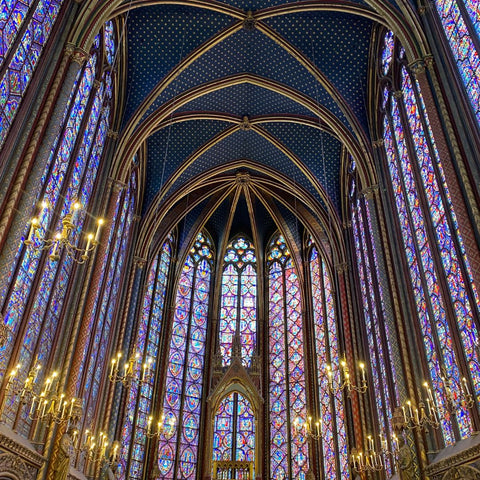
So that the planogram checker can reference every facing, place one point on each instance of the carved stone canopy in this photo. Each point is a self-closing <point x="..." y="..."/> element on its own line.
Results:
<point x="459" y="461"/>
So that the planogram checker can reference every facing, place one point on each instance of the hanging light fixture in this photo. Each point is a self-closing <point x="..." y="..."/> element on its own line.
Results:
<point x="63" y="239"/>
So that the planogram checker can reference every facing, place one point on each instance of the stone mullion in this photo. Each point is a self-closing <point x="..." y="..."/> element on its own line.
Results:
<point x="468" y="226"/>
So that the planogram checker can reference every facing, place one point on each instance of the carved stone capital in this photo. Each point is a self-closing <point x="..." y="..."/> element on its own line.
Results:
<point x="341" y="267"/>
<point x="112" y="134"/>
<point x="139" y="262"/>
<point x="417" y="67"/>
<point x="398" y="94"/>
<point x="96" y="85"/>
<point x="77" y="55"/>
<point x="369" y="192"/>
<point x="429" y="61"/>
<point x="116" y="185"/>
<point x="378" y="143"/>
<point x="137" y="218"/>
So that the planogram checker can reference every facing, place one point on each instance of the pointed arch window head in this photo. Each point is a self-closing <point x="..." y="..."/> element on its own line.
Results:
<point x="238" y="312"/>
<point x="287" y="395"/>
<point x="387" y="53"/>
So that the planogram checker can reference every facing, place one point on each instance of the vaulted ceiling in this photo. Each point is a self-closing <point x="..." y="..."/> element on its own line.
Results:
<point x="275" y="89"/>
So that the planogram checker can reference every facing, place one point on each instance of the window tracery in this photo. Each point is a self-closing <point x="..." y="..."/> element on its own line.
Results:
<point x="238" y="304"/>
<point x="332" y="409"/>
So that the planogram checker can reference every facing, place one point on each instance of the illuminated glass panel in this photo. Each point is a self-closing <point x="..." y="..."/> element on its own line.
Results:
<point x="84" y="132"/>
<point x="437" y="338"/>
<point x="332" y="427"/>
<point x="387" y="53"/>
<point x="380" y="352"/>
<point x="288" y="445"/>
<point x="443" y="233"/>
<point x="23" y="60"/>
<point x="234" y="430"/>
<point x="139" y="404"/>
<point x="460" y="31"/>
<point x="184" y="378"/>
<point x="238" y="304"/>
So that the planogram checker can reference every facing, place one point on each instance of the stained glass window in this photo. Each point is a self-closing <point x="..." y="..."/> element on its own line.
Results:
<point x="35" y="276"/>
<point x="332" y="410"/>
<point x="376" y="326"/>
<point x="25" y="27"/>
<point x="234" y="430"/>
<point x="178" y="444"/>
<point x="287" y="397"/>
<point x="140" y="395"/>
<point x="238" y="304"/>
<point x="423" y="206"/>
<point x="460" y="20"/>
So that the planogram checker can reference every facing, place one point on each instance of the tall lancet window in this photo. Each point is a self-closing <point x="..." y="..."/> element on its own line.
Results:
<point x="25" y="27"/>
<point x="178" y="445"/>
<point x="147" y="343"/>
<point x="378" y="334"/>
<point x="445" y="298"/>
<point x="287" y="396"/>
<point x="332" y="409"/>
<point x="34" y="298"/>
<point x="460" y="20"/>
<point x="239" y="300"/>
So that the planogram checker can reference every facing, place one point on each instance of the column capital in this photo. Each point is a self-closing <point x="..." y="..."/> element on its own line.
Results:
<point x="139" y="262"/>
<point x="76" y="54"/>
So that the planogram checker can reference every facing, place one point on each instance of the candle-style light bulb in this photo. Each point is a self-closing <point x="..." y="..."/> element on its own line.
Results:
<point x="99" y="228"/>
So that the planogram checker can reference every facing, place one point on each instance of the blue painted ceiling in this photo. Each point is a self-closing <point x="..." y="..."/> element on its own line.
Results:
<point x="275" y="75"/>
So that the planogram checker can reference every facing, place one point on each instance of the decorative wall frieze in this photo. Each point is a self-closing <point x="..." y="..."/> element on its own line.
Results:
<point x="18" y="448"/>
<point x="16" y="467"/>
<point x="461" y="464"/>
